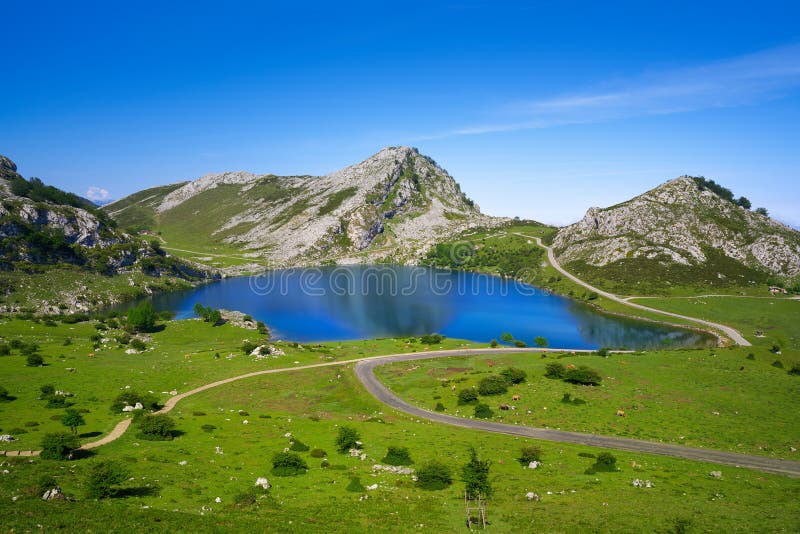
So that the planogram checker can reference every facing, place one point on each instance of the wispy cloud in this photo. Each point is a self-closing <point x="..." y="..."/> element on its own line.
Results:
<point x="97" y="194"/>
<point x="738" y="81"/>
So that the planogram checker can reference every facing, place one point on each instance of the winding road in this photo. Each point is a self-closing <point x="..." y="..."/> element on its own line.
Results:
<point x="732" y="333"/>
<point x="364" y="368"/>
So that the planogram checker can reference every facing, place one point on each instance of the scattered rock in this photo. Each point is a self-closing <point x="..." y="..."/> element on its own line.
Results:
<point x="531" y="496"/>
<point x="53" y="494"/>
<point x="716" y="474"/>
<point x="263" y="482"/>
<point x="534" y="464"/>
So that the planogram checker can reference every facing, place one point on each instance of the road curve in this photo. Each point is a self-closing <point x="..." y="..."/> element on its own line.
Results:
<point x="732" y="333"/>
<point x="364" y="370"/>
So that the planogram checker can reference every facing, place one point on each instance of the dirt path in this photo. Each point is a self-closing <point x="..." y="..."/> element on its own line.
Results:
<point x="732" y="333"/>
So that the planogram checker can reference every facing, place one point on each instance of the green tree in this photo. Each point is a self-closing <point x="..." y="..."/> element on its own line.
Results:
<point x="540" y="341"/>
<point x="347" y="439"/>
<point x="583" y="375"/>
<point x="744" y="202"/>
<point x="483" y="411"/>
<point x="514" y="375"/>
<point x="59" y="445"/>
<point x="492" y="385"/>
<point x="554" y="370"/>
<point x="762" y="211"/>
<point x="467" y="396"/>
<point x="72" y="419"/>
<point x="475" y="475"/>
<point x="102" y="477"/>
<point x="397" y="456"/>
<point x="285" y="464"/>
<point x="529" y="453"/>
<point x="156" y="427"/>
<point x="141" y="318"/>
<point x="34" y="360"/>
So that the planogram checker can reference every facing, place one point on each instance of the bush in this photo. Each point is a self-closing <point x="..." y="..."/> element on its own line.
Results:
<point x="5" y="349"/>
<point x="467" y="396"/>
<point x="47" y="390"/>
<point x="4" y="396"/>
<point x="483" y="411"/>
<point x="26" y="349"/>
<point x="514" y="375"/>
<point x="493" y="343"/>
<point x="439" y="407"/>
<point x="529" y="453"/>
<point x="347" y="438"/>
<point x="434" y="475"/>
<point x="34" y="360"/>
<point x="248" y="347"/>
<point x="540" y="341"/>
<point x="554" y="370"/>
<point x="138" y="344"/>
<point x="124" y="338"/>
<point x="775" y="349"/>
<point x="287" y="464"/>
<point x="603" y="351"/>
<point x="72" y="419"/>
<point x="606" y="462"/>
<point x="156" y="427"/>
<point x="208" y="428"/>
<point x="475" y="475"/>
<point x="102" y="477"/>
<point x="751" y="356"/>
<point x="778" y="364"/>
<point x="431" y="339"/>
<point x="492" y="385"/>
<point x="59" y="445"/>
<point x="583" y="375"/>
<point x="141" y="318"/>
<point x="298" y="446"/>
<point x="318" y="453"/>
<point x="397" y="456"/>
<point x="520" y="344"/>
<point x="795" y="370"/>
<point x="356" y="486"/>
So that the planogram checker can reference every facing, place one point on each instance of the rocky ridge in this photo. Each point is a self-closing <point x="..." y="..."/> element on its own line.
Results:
<point x="681" y="224"/>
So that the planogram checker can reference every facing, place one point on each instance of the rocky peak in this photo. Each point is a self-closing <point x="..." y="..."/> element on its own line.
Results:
<point x="7" y="164"/>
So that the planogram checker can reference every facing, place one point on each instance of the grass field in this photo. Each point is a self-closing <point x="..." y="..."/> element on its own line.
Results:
<point x="180" y="357"/>
<point x="175" y="485"/>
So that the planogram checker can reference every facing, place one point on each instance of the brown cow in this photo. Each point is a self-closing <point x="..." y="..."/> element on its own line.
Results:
<point x="505" y="407"/>
<point x="621" y="413"/>
<point x="515" y="397"/>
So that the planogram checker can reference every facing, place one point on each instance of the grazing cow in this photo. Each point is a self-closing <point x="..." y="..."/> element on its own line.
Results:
<point x="505" y="407"/>
<point x="515" y="397"/>
<point x="621" y="413"/>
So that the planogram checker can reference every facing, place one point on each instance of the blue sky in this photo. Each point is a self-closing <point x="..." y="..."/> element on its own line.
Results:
<point x="539" y="109"/>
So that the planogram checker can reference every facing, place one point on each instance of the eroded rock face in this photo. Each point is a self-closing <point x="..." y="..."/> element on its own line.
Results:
<point x="677" y="222"/>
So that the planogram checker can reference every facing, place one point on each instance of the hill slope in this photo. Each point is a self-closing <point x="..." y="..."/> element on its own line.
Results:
<point x="393" y="206"/>
<point x="679" y="233"/>
<point x="58" y="252"/>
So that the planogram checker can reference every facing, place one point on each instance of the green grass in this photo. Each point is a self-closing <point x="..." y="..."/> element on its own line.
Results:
<point x="312" y="405"/>
<point x="777" y="318"/>
<point x="180" y="357"/>
<point x="731" y="403"/>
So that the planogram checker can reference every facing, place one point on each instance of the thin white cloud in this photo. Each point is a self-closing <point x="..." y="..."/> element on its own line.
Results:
<point x="738" y="81"/>
<point x="97" y="194"/>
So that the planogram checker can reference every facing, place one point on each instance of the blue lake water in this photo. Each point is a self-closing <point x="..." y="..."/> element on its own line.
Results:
<point x="359" y="302"/>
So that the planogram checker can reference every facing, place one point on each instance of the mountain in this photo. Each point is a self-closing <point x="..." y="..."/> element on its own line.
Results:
<point x="45" y="231"/>
<point x="391" y="207"/>
<point x="688" y="231"/>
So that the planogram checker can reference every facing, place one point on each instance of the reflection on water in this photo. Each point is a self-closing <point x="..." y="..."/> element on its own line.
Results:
<point x="359" y="302"/>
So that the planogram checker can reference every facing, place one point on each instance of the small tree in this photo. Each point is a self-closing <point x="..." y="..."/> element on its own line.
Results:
<point x="514" y="375"/>
<point x="248" y="347"/>
<point x="347" y="439"/>
<point x="102" y="478"/>
<point x="397" y="456"/>
<point x="4" y="396"/>
<point x="287" y="464"/>
<point x="529" y="453"/>
<point x="467" y="396"/>
<point x="434" y="475"/>
<point x="156" y="427"/>
<point x="492" y="385"/>
<point x="507" y="337"/>
<point x="583" y="375"/>
<point x="762" y="211"/>
<point x="59" y="445"/>
<point x="540" y="341"/>
<point x="475" y="475"/>
<point x="72" y="419"/>
<point x="493" y="344"/>
<point x="141" y="318"/>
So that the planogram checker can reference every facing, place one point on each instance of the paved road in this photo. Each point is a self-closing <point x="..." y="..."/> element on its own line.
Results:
<point x="732" y="333"/>
<point x="364" y="371"/>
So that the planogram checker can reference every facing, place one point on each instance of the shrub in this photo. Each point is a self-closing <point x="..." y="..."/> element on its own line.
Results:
<point x="434" y="475"/>
<point x="102" y="478"/>
<point x="397" y="456"/>
<point x="554" y="370"/>
<point x="583" y="375"/>
<point x="138" y="344"/>
<point x="47" y="390"/>
<point x="141" y="318"/>
<point x="603" y="351"/>
<point x="775" y="349"/>
<point x="514" y="375"/>
<point x="493" y="343"/>
<point x="492" y="385"/>
<point x="26" y="349"/>
<point x="606" y="461"/>
<point x="483" y="411"/>
<point x="298" y="446"/>
<point x="208" y="428"/>
<point x="467" y="396"/>
<point x="156" y="427"/>
<point x="439" y="407"/>
<point x="198" y="413"/>
<point x="5" y="349"/>
<point x="751" y="356"/>
<point x="34" y="360"/>
<point x="356" y="486"/>
<point x="778" y="364"/>
<point x="248" y="347"/>
<point x="72" y="419"/>
<point x="346" y="439"/>
<point x="540" y="341"/>
<point x="130" y="398"/>
<point x="67" y="342"/>
<point x="529" y="453"/>
<point x="520" y="344"/>
<point x="4" y="396"/>
<point x="287" y="464"/>
<point x="59" y="445"/>
<point x="318" y="453"/>
<point x="431" y="339"/>
<point x="795" y="370"/>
